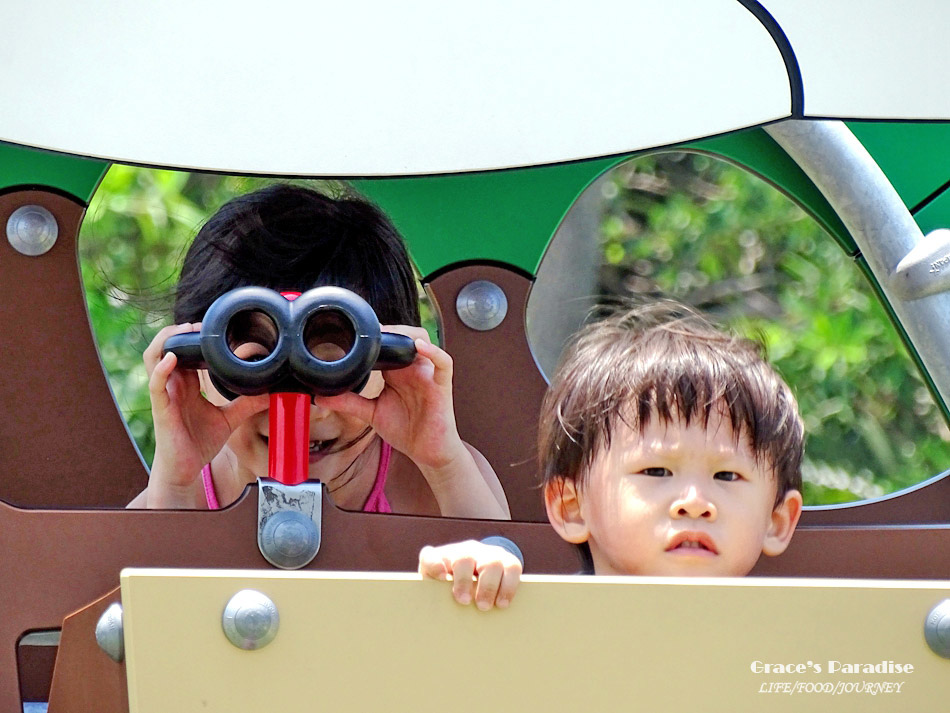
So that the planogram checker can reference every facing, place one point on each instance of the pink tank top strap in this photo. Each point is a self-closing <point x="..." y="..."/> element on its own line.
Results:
<point x="208" y="482"/>
<point x="377" y="502"/>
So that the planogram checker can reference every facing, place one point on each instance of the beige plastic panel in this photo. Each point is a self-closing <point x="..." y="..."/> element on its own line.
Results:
<point x="870" y="58"/>
<point x="365" y="642"/>
<point x="368" y="87"/>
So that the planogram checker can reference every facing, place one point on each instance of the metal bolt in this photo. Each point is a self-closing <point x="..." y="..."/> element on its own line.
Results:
<point x="289" y="539"/>
<point x="32" y="230"/>
<point x="937" y="629"/>
<point x="481" y="305"/>
<point x="250" y="620"/>
<point x="109" y="634"/>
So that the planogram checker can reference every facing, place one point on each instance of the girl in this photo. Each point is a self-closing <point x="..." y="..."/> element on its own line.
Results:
<point x="394" y="447"/>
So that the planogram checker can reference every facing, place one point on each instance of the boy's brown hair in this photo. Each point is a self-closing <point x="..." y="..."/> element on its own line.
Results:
<point x="665" y="361"/>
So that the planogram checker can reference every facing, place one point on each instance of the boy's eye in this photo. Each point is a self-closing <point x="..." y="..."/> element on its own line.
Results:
<point x="656" y="472"/>
<point x="727" y="475"/>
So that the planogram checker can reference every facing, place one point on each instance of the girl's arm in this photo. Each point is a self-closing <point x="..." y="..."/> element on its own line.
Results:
<point x="467" y="487"/>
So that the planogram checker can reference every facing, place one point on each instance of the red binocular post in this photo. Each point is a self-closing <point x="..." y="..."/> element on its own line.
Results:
<point x="288" y="444"/>
<point x="289" y="438"/>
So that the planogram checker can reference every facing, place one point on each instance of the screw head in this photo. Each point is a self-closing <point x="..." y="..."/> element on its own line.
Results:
<point x="481" y="305"/>
<point x="937" y="629"/>
<point x="32" y="230"/>
<point x="289" y="539"/>
<point x="250" y="620"/>
<point x="109" y="633"/>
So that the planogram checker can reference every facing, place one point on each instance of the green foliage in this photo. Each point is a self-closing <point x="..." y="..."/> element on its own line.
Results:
<point x="699" y="230"/>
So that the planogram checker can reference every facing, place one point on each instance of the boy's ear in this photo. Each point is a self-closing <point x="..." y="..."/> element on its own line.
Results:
<point x="562" y="498"/>
<point x="784" y="519"/>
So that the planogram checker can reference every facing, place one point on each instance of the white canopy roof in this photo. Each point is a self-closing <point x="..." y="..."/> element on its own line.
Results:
<point x="426" y="86"/>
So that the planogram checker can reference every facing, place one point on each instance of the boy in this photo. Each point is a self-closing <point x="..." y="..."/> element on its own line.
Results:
<point x="666" y="447"/>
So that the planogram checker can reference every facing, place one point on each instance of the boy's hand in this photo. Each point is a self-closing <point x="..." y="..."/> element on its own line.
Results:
<point x="488" y="573"/>
<point x="189" y="430"/>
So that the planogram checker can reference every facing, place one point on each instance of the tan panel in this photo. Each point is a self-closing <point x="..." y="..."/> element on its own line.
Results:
<point x="376" y="641"/>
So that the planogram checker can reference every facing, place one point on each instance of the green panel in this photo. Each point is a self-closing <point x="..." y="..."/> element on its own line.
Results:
<point x="510" y="216"/>
<point x="935" y="214"/>
<point x="74" y="175"/>
<point x="507" y="216"/>
<point x="755" y="151"/>
<point x="914" y="156"/>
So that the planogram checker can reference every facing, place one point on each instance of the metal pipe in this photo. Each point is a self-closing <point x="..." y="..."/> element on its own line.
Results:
<point x="885" y="232"/>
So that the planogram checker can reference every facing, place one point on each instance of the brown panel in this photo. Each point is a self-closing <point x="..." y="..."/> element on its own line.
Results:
<point x="898" y="552"/>
<point x="498" y="388"/>
<point x="34" y="664"/>
<point x="85" y="678"/>
<point x="62" y="440"/>
<point x="54" y="562"/>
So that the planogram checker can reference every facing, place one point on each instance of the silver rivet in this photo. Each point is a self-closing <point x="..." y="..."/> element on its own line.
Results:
<point x="109" y="633"/>
<point x="481" y="305"/>
<point x="32" y="230"/>
<point x="250" y="620"/>
<point x="937" y="629"/>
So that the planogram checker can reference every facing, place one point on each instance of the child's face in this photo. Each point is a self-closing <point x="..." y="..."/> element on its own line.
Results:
<point x="676" y="500"/>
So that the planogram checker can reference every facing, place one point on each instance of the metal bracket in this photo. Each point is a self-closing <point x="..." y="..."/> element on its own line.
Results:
<point x="925" y="270"/>
<point x="288" y="522"/>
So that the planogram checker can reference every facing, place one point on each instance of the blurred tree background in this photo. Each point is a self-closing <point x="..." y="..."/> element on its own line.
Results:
<point x="699" y="230"/>
<point x="674" y="224"/>
<point x="131" y="244"/>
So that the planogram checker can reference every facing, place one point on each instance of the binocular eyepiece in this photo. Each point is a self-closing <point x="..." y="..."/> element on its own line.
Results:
<point x="325" y="341"/>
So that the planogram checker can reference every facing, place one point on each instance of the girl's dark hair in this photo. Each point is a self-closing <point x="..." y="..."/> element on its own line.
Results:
<point x="665" y="361"/>
<point x="288" y="237"/>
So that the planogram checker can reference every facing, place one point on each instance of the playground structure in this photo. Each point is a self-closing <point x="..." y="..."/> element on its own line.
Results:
<point x="441" y="165"/>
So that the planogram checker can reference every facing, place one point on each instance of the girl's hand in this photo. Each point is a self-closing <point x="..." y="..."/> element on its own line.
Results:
<point x="189" y="429"/>
<point x="414" y="411"/>
<point x="415" y="414"/>
<point x="489" y="572"/>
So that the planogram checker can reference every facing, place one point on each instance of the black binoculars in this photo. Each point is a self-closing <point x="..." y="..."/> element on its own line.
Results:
<point x="325" y="341"/>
